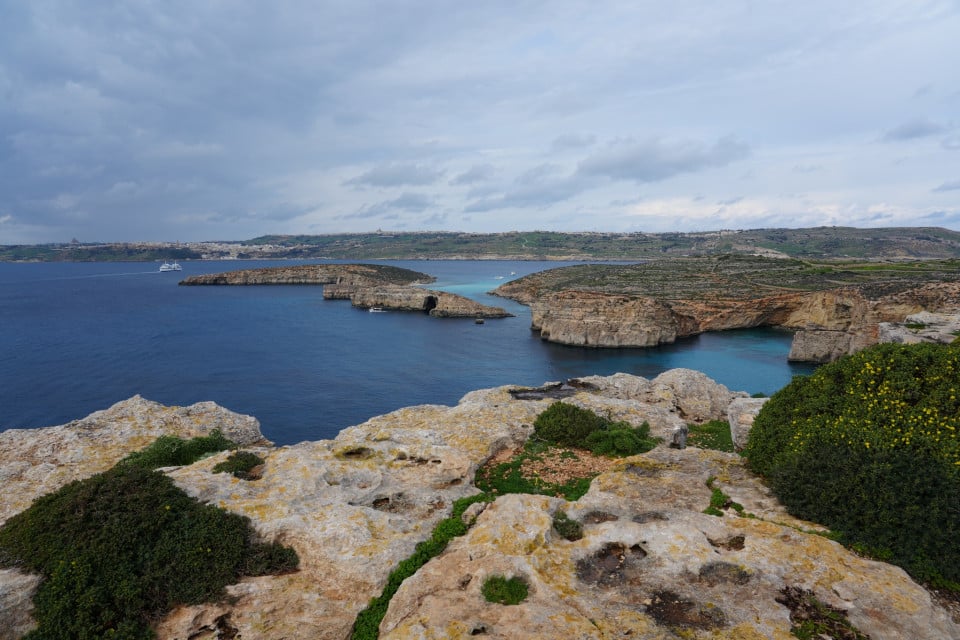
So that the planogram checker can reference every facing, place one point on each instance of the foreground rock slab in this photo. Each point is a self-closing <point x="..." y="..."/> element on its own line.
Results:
<point x="651" y="564"/>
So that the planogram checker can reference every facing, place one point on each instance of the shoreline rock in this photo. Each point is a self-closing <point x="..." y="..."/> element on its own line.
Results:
<point x="355" y="506"/>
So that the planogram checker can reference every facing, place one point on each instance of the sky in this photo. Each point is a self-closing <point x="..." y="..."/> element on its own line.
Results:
<point x="191" y="120"/>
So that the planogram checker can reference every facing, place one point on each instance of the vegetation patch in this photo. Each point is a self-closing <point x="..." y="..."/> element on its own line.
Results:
<point x="720" y="502"/>
<point x="568" y="528"/>
<point x="503" y="590"/>
<point x="171" y="451"/>
<point x="120" y="549"/>
<point x="541" y="469"/>
<point x="242" y="464"/>
<point x="714" y="434"/>
<point x="568" y="425"/>
<point x="813" y="619"/>
<point x="367" y="624"/>
<point x="870" y="446"/>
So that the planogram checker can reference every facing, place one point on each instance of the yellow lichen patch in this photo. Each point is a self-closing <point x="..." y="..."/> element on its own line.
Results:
<point x="629" y="623"/>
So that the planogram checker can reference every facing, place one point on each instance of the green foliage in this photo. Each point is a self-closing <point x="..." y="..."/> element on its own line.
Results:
<point x="567" y="425"/>
<point x="367" y="624"/>
<point x="719" y="501"/>
<point x="508" y="477"/>
<point x="568" y="528"/>
<point x="125" y="546"/>
<point x="171" y="451"/>
<point x="870" y="446"/>
<point x="620" y="440"/>
<point x="711" y="435"/>
<point x="503" y="590"/>
<point x="239" y="463"/>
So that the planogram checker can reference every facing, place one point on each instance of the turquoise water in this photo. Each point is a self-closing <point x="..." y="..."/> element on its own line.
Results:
<point x="76" y="338"/>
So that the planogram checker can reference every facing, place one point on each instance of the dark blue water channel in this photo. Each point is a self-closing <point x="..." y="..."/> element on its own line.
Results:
<point x="76" y="338"/>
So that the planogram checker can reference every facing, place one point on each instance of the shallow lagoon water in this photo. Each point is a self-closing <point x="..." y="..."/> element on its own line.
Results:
<point x="78" y="337"/>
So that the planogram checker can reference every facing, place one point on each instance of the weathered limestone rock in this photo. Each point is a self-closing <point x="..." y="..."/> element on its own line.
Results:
<point x="319" y="274"/>
<point x="650" y="562"/>
<point x="684" y="393"/>
<point x="651" y="566"/>
<point x="740" y="415"/>
<point x="34" y="462"/>
<point x="942" y="328"/>
<point x="16" y="606"/>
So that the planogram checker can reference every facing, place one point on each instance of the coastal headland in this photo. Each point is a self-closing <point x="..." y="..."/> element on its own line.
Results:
<point x="652" y="562"/>
<point x="368" y="286"/>
<point x="835" y="308"/>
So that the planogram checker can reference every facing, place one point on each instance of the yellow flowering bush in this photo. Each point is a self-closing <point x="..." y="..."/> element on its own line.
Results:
<point x="870" y="446"/>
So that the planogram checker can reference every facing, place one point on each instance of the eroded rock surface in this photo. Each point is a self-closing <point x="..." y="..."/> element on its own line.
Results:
<point x="650" y="564"/>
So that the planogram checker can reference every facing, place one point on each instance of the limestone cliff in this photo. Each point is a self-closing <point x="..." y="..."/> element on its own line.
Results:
<point x="651" y="564"/>
<point x="399" y="298"/>
<point x="834" y="311"/>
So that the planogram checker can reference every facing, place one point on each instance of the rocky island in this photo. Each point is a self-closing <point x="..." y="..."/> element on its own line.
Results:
<point x="650" y="562"/>
<point x="366" y="286"/>
<point x="835" y="308"/>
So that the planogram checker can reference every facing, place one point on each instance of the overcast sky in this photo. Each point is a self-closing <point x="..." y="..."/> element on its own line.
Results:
<point x="223" y="120"/>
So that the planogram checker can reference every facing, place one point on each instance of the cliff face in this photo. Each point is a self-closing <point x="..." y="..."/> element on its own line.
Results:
<point x="626" y="307"/>
<point x="651" y="564"/>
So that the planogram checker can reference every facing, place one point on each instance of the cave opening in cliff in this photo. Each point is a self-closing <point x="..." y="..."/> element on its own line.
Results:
<point x="430" y="302"/>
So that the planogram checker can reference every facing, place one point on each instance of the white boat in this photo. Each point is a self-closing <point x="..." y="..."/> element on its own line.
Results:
<point x="498" y="277"/>
<point x="376" y="310"/>
<point x="513" y="273"/>
<point x="171" y="266"/>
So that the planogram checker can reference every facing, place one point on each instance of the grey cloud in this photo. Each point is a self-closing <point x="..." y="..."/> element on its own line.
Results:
<point x="951" y="143"/>
<point x="476" y="173"/>
<point x="730" y="201"/>
<point x="951" y="185"/>
<point x="397" y="174"/>
<point x="539" y="187"/>
<point x="913" y="129"/>
<point x="807" y="168"/>
<point x="409" y="202"/>
<point x="437" y="219"/>
<point x="573" y="141"/>
<point x="656" y="159"/>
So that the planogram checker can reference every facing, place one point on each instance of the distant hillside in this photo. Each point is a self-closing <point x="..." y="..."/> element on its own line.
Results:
<point x="820" y="243"/>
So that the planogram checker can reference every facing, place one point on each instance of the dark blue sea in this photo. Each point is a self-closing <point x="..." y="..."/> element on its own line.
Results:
<point x="78" y="337"/>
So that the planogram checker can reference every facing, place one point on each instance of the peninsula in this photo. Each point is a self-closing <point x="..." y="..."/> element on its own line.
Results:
<point x="368" y="286"/>
<point x="836" y="308"/>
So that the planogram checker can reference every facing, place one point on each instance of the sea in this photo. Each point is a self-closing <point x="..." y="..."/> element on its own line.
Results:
<point x="78" y="337"/>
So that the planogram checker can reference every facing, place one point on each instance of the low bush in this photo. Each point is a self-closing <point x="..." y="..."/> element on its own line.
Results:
<point x="503" y="590"/>
<point x="870" y="446"/>
<point x="511" y="477"/>
<point x="120" y="549"/>
<point x="240" y="464"/>
<point x="567" y="425"/>
<point x="171" y="451"/>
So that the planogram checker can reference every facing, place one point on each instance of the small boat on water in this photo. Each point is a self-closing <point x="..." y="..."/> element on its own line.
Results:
<point x="377" y="310"/>
<point x="170" y="266"/>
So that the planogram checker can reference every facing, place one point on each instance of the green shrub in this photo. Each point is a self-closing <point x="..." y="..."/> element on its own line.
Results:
<point x="125" y="546"/>
<point x="568" y="528"/>
<point x="239" y="463"/>
<point x="870" y="446"/>
<point x="567" y="425"/>
<point x="503" y="590"/>
<point x="171" y="451"/>
<point x="508" y="477"/>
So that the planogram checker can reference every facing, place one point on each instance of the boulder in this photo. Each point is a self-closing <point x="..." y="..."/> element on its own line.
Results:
<point x="740" y="415"/>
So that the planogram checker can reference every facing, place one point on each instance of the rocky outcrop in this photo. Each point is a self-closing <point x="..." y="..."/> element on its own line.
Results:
<point x="349" y="274"/>
<point x="941" y="328"/>
<point x="740" y="416"/>
<point x="439" y="304"/>
<point x="365" y="285"/>
<point x="650" y="564"/>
